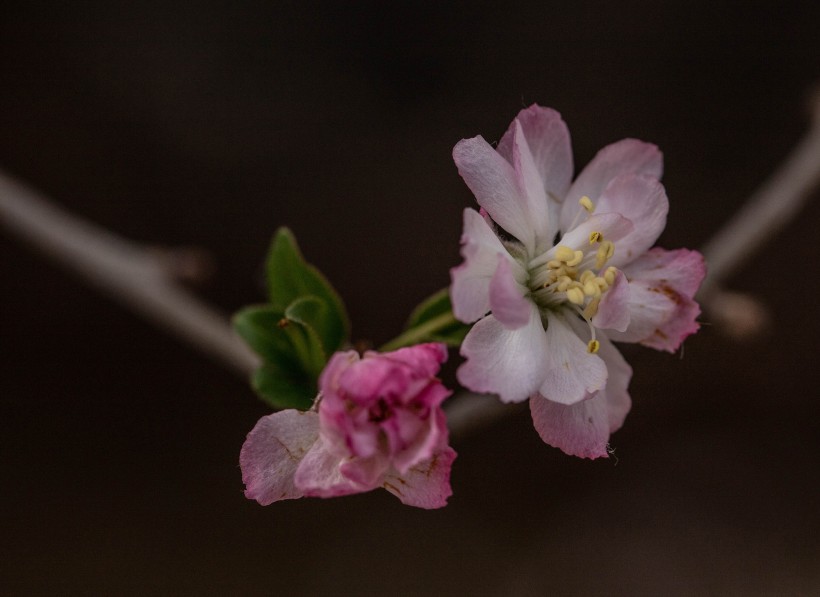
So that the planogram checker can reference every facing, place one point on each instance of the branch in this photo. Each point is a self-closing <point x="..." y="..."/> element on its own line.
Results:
<point x="766" y="212"/>
<point x="141" y="279"/>
<point x="137" y="276"/>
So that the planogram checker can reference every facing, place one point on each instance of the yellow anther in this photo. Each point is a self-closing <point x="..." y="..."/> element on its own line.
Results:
<point x="563" y="283"/>
<point x="602" y="284"/>
<point x="593" y="346"/>
<point x="592" y="289"/>
<point x="575" y="295"/>
<point x="577" y="258"/>
<point x="587" y="204"/>
<point x="609" y="274"/>
<point x="595" y="237"/>
<point x="592" y="308"/>
<point x="554" y="264"/>
<point x="586" y="276"/>
<point x="604" y="254"/>
<point x="563" y="253"/>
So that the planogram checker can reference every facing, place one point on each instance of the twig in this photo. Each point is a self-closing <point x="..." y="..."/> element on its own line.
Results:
<point x="763" y="215"/>
<point x="135" y="275"/>
<point x="141" y="279"/>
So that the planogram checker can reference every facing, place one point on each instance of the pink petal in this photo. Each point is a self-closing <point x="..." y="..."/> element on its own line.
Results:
<point x="496" y="187"/>
<point x="424" y="360"/>
<point x="662" y="311"/>
<point x="583" y="429"/>
<point x="507" y="299"/>
<point x="548" y="140"/>
<point x="628" y="156"/>
<point x="612" y="226"/>
<point x="683" y="269"/>
<point x="641" y="199"/>
<point x="572" y="372"/>
<point x="613" y="311"/>
<point x="506" y="362"/>
<point x="414" y="441"/>
<point x="319" y="475"/>
<point x="532" y="183"/>
<point x="470" y="290"/>
<point x="272" y="452"/>
<point x="426" y="485"/>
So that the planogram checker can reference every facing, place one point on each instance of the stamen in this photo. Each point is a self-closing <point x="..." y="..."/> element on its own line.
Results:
<point x="563" y="253"/>
<point x="604" y="254"/>
<point x="577" y="258"/>
<point x="592" y="309"/>
<point x="609" y="274"/>
<point x="593" y="346"/>
<point x="575" y="295"/>
<point x="595" y="237"/>
<point x="587" y="204"/>
<point x="592" y="289"/>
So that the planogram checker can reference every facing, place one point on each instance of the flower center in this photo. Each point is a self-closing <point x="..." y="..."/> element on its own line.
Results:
<point x="575" y="278"/>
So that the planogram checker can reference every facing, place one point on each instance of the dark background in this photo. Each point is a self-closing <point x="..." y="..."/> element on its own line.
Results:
<point x="210" y="124"/>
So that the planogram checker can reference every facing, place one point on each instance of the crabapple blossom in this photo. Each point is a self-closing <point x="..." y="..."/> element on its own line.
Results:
<point x="377" y="422"/>
<point x="553" y="269"/>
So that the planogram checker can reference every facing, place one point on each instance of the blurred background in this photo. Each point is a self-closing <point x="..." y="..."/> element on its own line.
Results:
<point x="210" y="124"/>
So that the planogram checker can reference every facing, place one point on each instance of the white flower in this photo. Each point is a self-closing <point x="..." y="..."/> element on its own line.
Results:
<point x="556" y="262"/>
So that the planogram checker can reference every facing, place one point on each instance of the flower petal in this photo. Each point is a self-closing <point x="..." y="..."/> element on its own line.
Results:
<point x="496" y="187"/>
<point x="537" y="178"/>
<point x="611" y="226"/>
<point x="470" y="290"/>
<point x="413" y="440"/>
<point x="628" y="156"/>
<point x="426" y="485"/>
<point x="320" y="475"/>
<point x="613" y="311"/>
<point x="572" y="372"/>
<point x="506" y="362"/>
<point x="641" y="199"/>
<point x="507" y="300"/>
<point x="272" y="452"/>
<point x="583" y="429"/>
<point x="548" y="141"/>
<point x="662" y="311"/>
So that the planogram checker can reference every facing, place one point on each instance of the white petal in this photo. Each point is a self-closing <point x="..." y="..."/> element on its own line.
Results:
<point x="628" y="156"/>
<point x="470" y="290"/>
<point x="506" y="362"/>
<point x="572" y="371"/>
<point x="507" y="299"/>
<point x="495" y="185"/>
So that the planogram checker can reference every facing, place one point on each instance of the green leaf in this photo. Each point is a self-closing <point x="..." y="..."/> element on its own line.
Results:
<point x="431" y="321"/>
<point x="291" y="278"/>
<point x="280" y="389"/>
<point x="260" y="327"/>
<point x="436" y="314"/>
<point x="290" y="342"/>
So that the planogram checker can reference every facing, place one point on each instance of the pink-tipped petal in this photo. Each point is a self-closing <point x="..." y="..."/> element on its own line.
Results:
<point x="495" y="185"/>
<point x="628" y="156"/>
<point x="507" y="300"/>
<point x="548" y="140"/>
<point x="583" y="429"/>
<point x="506" y="362"/>
<point x="427" y="484"/>
<point x="572" y="372"/>
<point x="320" y="475"/>
<point x="613" y="311"/>
<point x="531" y="181"/>
<point x="273" y="451"/>
<point x="641" y="199"/>
<point x="662" y="310"/>
<point x="612" y="226"/>
<point x="470" y="290"/>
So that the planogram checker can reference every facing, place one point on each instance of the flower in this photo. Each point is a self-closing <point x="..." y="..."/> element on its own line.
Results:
<point x="379" y="423"/>
<point x="555" y="263"/>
